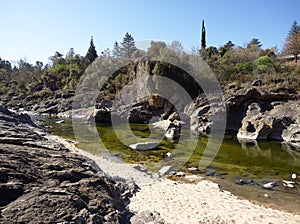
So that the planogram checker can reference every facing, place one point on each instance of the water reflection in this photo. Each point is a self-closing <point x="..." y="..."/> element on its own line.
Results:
<point x="271" y="150"/>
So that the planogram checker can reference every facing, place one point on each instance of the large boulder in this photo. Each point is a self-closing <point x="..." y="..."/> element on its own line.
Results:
<point x="281" y="122"/>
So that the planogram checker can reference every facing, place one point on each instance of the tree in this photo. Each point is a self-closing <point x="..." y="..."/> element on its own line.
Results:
<point x="91" y="54"/>
<point x="295" y="28"/>
<point x="254" y="44"/>
<point x="177" y="47"/>
<point x="71" y="53"/>
<point x="203" y="41"/>
<point x="116" y="50"/>
<point x="128" y="46"/>
<point x="155" y="48"/>
<point x="203" y="36"/>
<point x="292" y="42"/>
<point x="227" y="47"/>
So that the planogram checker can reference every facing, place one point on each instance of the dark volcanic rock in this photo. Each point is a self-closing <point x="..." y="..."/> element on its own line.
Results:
<point x="42" y="182"/>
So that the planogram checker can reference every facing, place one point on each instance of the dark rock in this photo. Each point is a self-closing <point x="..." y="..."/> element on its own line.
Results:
<point x="42" y="182"/>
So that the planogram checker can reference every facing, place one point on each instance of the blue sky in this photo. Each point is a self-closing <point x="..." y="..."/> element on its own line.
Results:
<point x="35" y="29"/>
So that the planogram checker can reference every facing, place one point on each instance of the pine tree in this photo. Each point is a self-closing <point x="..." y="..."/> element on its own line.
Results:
<point x="91" y="55"/>
<point x="128" y="46"/>
<point x="295" y="28"/>
<point x="116" y="50"/>
<point x="292" y="42"/>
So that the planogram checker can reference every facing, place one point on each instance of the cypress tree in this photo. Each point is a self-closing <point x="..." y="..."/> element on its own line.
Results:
<point x="203" y="36"/>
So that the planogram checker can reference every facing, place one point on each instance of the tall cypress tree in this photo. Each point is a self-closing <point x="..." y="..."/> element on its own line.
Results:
<point x="91" y="54"/>
<point x="203" y="41"/>
<point x="203" y="36"/>
<point x="128" y="46"/>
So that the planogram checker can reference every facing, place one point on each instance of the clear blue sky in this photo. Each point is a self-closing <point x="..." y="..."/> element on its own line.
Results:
<point x="35" y="29"/>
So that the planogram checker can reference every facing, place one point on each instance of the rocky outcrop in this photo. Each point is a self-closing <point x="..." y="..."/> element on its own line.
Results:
<point x="280" y="122"/>
<point x="42" y="182"/>
<point x="43" y="101"/>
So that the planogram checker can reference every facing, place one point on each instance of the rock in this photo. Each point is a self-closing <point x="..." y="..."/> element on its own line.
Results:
<point x="258" y="82"/>
<point x="288" y="184"/>
<point x="252" y="126"/>
<point x="269" y="185"/>
<point x="144" y="145"/>
<point x="173" y="131"/>
<point x="39" y="177"/>
<point x="169" y="154"/>
<point x="166" y="170"/>
<point x="192" y="169"/>
<point x="60" y="122"/>
<point x="146" y="217"/>
<point x="293" y="176"/>
<point x="180" y="174"/>
<point x="266" y="196"/>
<point x="292" y="134"/>
<point x="280" y="121"/>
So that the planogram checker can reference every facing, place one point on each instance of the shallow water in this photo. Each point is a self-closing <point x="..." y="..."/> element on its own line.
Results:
<point x="241" y="168"/>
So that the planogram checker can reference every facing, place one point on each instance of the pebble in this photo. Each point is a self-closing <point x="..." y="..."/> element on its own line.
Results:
<point x="266" y="196"/>
<point x="269" y="185"/>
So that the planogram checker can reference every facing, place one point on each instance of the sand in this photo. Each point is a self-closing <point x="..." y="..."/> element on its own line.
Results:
<point x="186" y="203"/>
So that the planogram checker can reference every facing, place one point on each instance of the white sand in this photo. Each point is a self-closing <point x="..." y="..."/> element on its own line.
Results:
<point x="184" y="203"/>
<point x="203" y="203"/>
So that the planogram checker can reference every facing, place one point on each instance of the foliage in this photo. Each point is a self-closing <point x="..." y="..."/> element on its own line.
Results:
<point x="128" y="46"/>
<point x="91" y="54"/>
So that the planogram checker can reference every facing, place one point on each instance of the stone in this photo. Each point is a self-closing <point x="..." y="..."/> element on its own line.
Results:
<point x="173" y="131"/>
<point x="166" y="170"/>
<point x="269" y="185"/>
<point x="60" y="122"/>
<point x="144" y="145"/>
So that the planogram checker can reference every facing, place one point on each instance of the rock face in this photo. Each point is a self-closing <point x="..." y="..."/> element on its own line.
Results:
<point x="42" y="182"/>
<point x="281" y="122"/>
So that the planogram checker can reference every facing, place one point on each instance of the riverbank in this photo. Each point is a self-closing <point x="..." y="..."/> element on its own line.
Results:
<point x="160" y="200"/>
<point x="64" y="183"/>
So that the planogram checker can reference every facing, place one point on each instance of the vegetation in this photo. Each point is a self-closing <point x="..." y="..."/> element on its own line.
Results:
<point x="230" y="63"/>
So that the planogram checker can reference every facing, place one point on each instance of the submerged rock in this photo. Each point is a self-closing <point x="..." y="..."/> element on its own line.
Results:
<point x="144" y="145"/>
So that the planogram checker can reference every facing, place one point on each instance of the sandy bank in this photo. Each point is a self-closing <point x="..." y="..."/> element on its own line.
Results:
<point x="175" y="202"/>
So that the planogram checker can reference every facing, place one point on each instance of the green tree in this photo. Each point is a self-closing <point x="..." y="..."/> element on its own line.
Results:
<point x="91" y="54"/>
<point x="128" y="46"/>
<point x="254" y="44"/>
<point x="203" y="52"/>
<point x="227" y="47"/>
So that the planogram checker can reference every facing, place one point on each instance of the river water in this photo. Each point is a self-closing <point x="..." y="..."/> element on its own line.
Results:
<point x="241" y="168"/>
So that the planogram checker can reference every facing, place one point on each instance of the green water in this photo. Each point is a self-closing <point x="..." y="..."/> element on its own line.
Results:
<point x="260" y="162"/>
